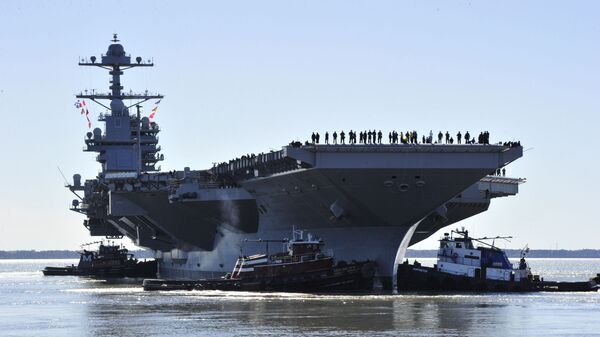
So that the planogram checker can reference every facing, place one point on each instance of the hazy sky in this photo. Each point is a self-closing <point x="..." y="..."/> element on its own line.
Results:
<point x="248" y="76"/>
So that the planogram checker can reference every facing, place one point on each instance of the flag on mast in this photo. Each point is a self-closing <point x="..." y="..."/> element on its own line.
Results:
<point x="154" y="111"/>
<point x="84" y="110"/>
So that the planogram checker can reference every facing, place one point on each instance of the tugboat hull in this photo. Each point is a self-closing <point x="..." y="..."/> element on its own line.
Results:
<point x="356" y="276"/>
<point x="419" y="278"/>
<point x="138" y="270"/>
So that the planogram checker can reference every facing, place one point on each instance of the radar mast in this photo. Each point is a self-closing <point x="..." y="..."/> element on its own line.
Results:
<point x="129" y="143"/>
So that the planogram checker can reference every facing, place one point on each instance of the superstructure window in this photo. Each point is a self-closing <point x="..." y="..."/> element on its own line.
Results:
<point x="117" y="123"/>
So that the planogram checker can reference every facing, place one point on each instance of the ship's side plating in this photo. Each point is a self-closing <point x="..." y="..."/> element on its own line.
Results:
<point x="366" y="202"/>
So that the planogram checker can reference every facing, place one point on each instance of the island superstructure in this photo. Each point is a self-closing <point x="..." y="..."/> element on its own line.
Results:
<point x="367" y="201"/>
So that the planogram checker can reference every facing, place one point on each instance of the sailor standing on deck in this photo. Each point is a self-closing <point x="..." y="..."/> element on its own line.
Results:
<point x="326" y="137"/>
<point x="334" y="137"/>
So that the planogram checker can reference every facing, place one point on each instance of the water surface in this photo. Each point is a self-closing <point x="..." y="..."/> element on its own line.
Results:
<point x="34" y="305"/>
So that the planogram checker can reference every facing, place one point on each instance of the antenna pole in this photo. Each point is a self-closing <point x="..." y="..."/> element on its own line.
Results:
<point x="61" y="173"/>
<point x="139" y="141"/>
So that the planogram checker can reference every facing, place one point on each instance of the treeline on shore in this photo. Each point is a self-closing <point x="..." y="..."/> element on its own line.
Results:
<point x="516" y="253"/>
<point x="59" y="254"/>
<point x="411" y="253"/>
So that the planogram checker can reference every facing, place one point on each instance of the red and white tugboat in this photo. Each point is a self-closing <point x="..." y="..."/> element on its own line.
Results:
<point x="303" y="266"/>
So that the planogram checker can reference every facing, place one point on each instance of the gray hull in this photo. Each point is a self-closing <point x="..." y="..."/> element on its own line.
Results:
<point x="357" y="215"/>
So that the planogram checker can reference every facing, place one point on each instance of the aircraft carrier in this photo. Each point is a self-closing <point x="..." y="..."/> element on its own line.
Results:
<point x="365" y="201"/>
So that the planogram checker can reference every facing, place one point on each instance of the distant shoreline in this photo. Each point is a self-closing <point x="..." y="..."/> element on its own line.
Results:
<point x="410" y="254"/>
<point x="516" y="253"/>
<point x="58" y="254"/>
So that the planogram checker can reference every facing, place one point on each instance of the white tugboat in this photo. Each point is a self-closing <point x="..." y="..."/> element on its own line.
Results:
<point x="463" y="267"/>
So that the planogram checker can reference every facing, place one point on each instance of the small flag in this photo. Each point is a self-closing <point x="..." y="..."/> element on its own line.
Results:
<point x="79" y="104"/>
<point x="154" y="111"/>
<point x="84" y="110"/>
<point x="87" y="116"/>
<point x="158" y="101"/>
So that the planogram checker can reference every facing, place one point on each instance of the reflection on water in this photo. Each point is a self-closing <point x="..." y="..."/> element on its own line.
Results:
<point x="31" y="304"/>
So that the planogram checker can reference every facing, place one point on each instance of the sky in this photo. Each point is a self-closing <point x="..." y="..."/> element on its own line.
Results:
<point x="248" y="76"/>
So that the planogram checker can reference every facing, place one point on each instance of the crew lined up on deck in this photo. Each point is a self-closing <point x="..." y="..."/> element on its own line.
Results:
<point x="409" y="137"/>
<point x="500" y="172"/>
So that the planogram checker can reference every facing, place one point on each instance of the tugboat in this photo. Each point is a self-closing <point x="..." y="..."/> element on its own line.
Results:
<point x="463" y="267"/>
<point x="303" y="266"/>
<point x="110" y="261"/>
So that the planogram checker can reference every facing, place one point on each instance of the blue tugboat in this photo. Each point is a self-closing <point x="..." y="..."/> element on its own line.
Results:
<point x="463" y="267"/>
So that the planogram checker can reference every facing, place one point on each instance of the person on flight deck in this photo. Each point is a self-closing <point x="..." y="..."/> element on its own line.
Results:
<point x="326" y="137"/>
<point x="313" y="138"/>
<point x="467" y="137"/>
<point x="458" y="137"/>
<point x="379" y="136"/>
<point x="447" y="137"/>
<point x="504" y="171"/>
<point x="390" y="137"/>
<point x="342" y="137"/>
<point x="334" y="137"/>
<point x="440" y="136"/>
<point x="317" y="136"/>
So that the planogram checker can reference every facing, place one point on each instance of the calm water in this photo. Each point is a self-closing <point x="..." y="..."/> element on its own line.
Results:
<point x="34" y="305"/>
